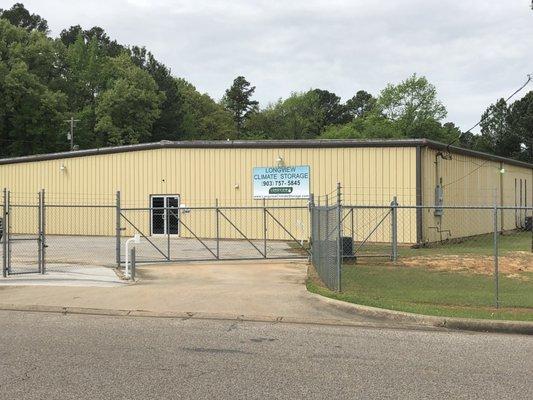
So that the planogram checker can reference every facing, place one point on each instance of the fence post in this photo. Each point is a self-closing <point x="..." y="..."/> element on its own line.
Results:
<point x="339" y="237"/>
<point x="39" y="232"/>
<point x="7" y="232"/>
<point x="42" y="237"/>
<point x="316" y="244"/>
<point x="44" y="231"/>
<point x="4" y="235"/>
<point x="118" y="228"/>
<point x="166" y="210"/>
<point x="264" y="229"/>
<point x="394" y="229"/>
<point x="217" y="224"/>
<point x="496" y="256"/>
<point x="312" y="219"/>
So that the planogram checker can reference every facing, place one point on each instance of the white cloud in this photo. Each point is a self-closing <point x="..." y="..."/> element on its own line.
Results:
<point x="474" y="51"/>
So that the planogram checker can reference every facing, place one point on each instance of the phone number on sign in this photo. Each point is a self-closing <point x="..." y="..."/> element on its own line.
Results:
<point x="280" y="183"/>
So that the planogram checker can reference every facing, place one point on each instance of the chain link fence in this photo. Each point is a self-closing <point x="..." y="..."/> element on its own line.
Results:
<point x="326" y="244"/>
<point x="462" y="255"/>
<point x="456" y="256"/>
<point x="49" y="232"/>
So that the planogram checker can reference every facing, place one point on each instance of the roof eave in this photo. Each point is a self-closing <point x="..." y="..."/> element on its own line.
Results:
<point x="258" y="144"/>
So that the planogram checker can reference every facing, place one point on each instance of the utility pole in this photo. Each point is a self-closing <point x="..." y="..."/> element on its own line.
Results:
<point x="70" y="135"/>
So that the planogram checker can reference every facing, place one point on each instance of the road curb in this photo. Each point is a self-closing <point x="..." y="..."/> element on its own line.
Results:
<point x="466" y="324"/>
<point x="202" y="316"/>
<point x="411" y="321"/>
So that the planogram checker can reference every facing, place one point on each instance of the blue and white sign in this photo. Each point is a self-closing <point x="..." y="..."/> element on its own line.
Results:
<point x="281" y="182"/>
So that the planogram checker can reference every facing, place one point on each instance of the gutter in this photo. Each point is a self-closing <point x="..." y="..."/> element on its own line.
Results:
<point x="262" y="144"/>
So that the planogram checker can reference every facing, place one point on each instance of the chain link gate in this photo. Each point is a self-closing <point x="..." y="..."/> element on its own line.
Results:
<point x="217" y="232"/>
<point x="23" y="235"/>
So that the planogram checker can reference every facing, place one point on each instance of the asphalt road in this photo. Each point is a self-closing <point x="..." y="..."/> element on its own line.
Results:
<point x="53" y="356"/>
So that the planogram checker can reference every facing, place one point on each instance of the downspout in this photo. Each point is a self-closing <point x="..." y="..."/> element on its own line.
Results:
<point x="419" y="213"/>
<point x="438" y="210"/>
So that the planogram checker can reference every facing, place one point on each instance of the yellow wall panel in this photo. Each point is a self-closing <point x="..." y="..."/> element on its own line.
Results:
<point x="202" y="175"/>
<point x="470" y="181"/>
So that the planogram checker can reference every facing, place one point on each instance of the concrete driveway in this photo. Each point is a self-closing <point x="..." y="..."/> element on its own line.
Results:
<point x="259" y="288"/>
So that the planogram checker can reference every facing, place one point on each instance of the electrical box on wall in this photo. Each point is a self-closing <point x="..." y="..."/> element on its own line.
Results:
<point x="439" y="201"/>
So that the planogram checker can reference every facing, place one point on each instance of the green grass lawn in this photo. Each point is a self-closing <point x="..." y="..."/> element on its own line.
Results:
<point x="508" y="242"/>
<point x="418" y="290"/>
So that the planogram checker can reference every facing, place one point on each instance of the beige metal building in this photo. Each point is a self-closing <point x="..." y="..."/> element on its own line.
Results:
<point x="193" y="174"/>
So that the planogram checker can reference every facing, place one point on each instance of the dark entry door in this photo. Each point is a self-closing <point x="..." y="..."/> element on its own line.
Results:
<point x="165" y="220"/>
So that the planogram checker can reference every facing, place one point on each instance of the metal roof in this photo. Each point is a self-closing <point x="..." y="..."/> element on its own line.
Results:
<point x="265" y="144"/>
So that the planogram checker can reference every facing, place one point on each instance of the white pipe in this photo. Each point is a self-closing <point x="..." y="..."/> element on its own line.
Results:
<point x="135" y="239"/>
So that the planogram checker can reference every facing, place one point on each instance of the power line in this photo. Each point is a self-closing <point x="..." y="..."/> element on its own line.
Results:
<point x="466" y="175"/>
<point x="529" y="77"/>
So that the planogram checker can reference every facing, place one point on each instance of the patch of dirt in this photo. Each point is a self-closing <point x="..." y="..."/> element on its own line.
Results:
<point x="512" y="265"/>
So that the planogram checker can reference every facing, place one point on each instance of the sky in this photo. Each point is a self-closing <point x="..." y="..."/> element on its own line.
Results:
<point x="473" y="51"/>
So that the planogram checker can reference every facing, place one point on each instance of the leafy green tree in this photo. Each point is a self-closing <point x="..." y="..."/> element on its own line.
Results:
<point x="203" y="118"/>
<point x="496" y="134"/>
<point x="110" y="47"/>
<point x="360" y="104"/>
<point x="521" y="125"/>
<point x="128" y="108"/>
<point x="450" y="132"/>
<point x="412" y="104"/>
<point x="238" y="100"/>
<point x="18" y="15"/>
<point x="371" y="126"/>
<point x="69" y="36"/>
<point x="301" y="116"/>
<point x="31" y="110"/>
<point x="334" y="112"/>
<point x="106" y="45"/>
<point x="86" y="66"/>
<point x="169" y="125"/>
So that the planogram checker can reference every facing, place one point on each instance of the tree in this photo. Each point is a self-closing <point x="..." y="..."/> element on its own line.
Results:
<point x="69" y="36"/>
<point x="370" y="126"/>
<point x="521" y="125"/>
<point x="496" y="135"/>
<point x="109" y="47"/>
<point x="238" y="100"/>
<point x="128" y="108"/>
<point x="301" y="116"/>
<point x="411" y="103"/>
<point x="86" y="67"/>
<point x="19" y="16"/>
<point x="169" y="125"/>
<point x="203" y="118"/>
<point x="360" y="104"/>
<point x="334" y="112"/>
<point x="31" y="109"/>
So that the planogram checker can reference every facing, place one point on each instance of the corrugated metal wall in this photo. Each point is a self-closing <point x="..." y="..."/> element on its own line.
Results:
<point x="472" y="181"/>
<point x="201" y="175"/>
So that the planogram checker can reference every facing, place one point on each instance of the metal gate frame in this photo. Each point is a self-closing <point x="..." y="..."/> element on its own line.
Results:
<point x="7" y="239"/>
<point x="221" y="215"/>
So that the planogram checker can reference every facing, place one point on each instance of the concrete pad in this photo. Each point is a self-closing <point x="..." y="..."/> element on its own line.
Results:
<point x="71" y="252"/>
<point x="84" y="277"/>
<point x="262" y="288"/>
